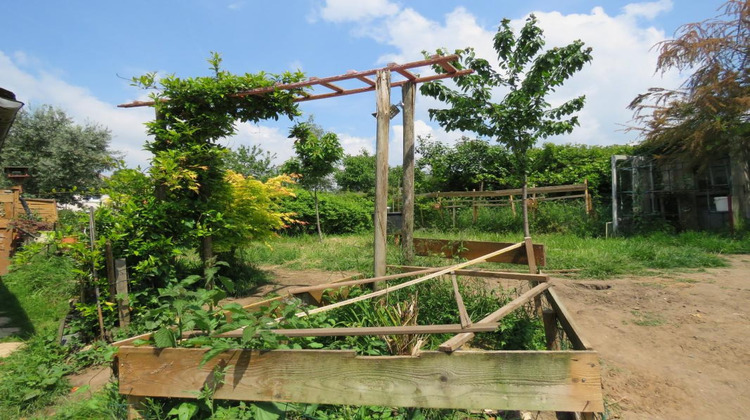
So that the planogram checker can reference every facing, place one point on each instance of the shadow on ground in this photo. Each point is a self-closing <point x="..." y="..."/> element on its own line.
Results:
<point x="14" y="322"/>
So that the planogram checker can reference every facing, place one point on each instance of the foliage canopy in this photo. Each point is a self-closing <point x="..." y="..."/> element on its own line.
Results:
<point x="709" y="115"/>
<point x="61" y="155"/>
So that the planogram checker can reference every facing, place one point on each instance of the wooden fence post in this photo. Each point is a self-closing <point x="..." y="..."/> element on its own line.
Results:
<point x="121" y="284"/>
<point x="550" y="329"/>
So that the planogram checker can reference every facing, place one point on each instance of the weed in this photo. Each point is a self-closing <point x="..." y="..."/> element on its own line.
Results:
<point x="647" y="319"/>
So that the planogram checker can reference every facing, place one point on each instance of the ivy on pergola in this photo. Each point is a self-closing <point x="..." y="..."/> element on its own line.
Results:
<point x="299" y="92"/>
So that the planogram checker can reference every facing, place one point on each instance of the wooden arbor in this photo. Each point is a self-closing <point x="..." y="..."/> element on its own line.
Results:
<point x="382" y="86"/>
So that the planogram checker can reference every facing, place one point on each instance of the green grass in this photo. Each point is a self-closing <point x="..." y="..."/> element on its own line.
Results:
<point x="35" y="295"/>
<point x="647" y="255"/>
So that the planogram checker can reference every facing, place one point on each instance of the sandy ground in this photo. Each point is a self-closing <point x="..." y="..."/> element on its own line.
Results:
<point x="673" y="347"/>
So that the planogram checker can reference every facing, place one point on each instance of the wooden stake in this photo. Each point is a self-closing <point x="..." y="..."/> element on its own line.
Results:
<point x="550" y="329"/>
<point x="533" y="270"/>
<point x="512" y="206"/>
<point x="123" y="300"/>
<point x="110" y="260"/>
<point x="94" y="276"/>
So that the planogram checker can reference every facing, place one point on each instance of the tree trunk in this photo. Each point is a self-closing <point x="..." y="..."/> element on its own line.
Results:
<point x="525" y="197"/>
<point x="317" y="215"/>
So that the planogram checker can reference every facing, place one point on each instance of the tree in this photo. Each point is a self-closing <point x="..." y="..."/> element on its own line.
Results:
<point x="61" y="155"/>
<point x="708" y="115"/>
<point x="358" y="173"/>
<point x="316" y="158"/>
<point x="529" y="75"/>
<point x="251" y="161"/>
<point x="187" y="167"/>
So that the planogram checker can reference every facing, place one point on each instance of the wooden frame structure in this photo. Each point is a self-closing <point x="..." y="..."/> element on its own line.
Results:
<point x="381" y="85"/>
<point x="554" y="380"/>
<point x="505" y="198"/>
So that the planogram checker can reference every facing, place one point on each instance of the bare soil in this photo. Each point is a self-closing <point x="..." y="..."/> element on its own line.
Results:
<point x="672" y="347"/>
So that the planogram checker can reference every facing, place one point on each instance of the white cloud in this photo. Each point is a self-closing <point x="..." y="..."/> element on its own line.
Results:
<point x="358" y="10"/>
<point x="623" y="64"/>
<point x="647" y="10"/>
<point x="36" y="86"/>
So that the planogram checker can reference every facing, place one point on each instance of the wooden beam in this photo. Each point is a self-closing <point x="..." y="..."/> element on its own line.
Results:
<point x="448" y="67"/>
<point x="383" y="115"/>
<point x="409" y="283"/>
<point x="406" y="73"/>
<point x="505" y="275"/>
<point x="462" y="314"/>
<point x="358" y="331"/>
<point x="367" y="80"/>
<point x="408" y="97"/>
<point x="504" y="380"/>
<point x="459" y="340"/>
<point x="572" y="330"/>
<point x="362" y="281"/>
<point x="473" y="249"/>
<point x="508" y="192"/>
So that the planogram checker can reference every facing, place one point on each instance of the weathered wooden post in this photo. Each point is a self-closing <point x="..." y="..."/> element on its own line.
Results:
<point x="383" y="111"/>
<point x="408" y="93"/>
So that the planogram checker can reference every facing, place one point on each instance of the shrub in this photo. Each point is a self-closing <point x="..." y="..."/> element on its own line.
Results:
<point x="339" y="213"/>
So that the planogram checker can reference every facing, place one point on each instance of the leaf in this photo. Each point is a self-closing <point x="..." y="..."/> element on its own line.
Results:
<point x="165" y="337"/>
<point x="184" y="411"/>
<point x="214" y="351"/>
<point x="248" y="333"/>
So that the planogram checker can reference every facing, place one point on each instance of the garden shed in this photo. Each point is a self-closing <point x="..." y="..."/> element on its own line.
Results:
<point x="652" y="189"/>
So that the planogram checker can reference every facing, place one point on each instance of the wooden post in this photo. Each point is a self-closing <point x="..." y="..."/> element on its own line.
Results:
<point x="408" y="93"/>
<point x="474" y="209"/>
<point x="121" y="284"/>
<point x="135" y="405"/>
<point x="453" y="212"/>
<point x="383" y="108"/>
<point x="587" y="198"/>
<point x="550" y="329"/>
<point x="512" y="206"/>
<point x="533" y="270"/>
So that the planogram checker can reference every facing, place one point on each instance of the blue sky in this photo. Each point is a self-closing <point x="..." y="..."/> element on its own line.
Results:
<point x="78" y="55"/>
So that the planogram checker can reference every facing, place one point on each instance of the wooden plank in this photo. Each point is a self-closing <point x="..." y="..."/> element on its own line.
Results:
<point x="473" y="249"/>
<point x="459" y="340"/>
<point x="448" y="67"/>
<point x="482" y="273"/>
<point x="336" y="285"/>
<point x="409" y="283"/>
<point x="505" y="380"/>
<point x="550" y="329"/>
<point x="566" y="321"/>
<point x="359" y="331"/>
<point x="462" y="314"/>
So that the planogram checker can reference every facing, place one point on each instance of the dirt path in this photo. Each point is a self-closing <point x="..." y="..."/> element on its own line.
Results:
<point x="675" y="347"/>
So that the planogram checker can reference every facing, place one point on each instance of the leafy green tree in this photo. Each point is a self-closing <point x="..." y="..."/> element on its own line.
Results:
<point x="251" y="161"/>
<point x="357" y="173"/>
<point x="709" y="115"/>
<point x="316" y="158"/>
<point x="529" y="74"/>
<point x="61" y="154"/>
<point x="187" y="167"/>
